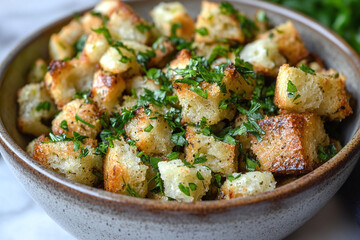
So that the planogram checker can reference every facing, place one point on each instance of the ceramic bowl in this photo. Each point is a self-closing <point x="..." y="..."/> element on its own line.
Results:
<point x="90" y="213"/>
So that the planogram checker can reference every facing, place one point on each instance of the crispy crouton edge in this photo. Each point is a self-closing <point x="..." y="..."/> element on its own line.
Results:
<point x="17" y="157"/>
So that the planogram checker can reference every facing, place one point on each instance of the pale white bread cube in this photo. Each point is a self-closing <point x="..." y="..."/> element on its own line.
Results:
<point x="264" y="55"/>
<point x="124" y="171"/>
<point x="155" y="141"/>
<point x="65" y="78"/>
<point x="174" y="173"/>
<point x="85" y="112"/>
<point x="107" y="7"/>
<point x="288" y="41"/>
<point x="221" y="157"/>
<point x="61" y="158"/>
<point x="37" y="71"/>
<point x="248" y="184"/>
<point x="90" y="22"/>
<point x="107" y="89"/>
<point x="290" y="143"/>
<point x="219" y="26"/>
<point x="30" y="98"/>
<point x="111" y="60"/>
<point x="124" y="24"/>
<point x="95" y="47"/>
<point x="165" y="15"/>
<point x="61" y="44"/>
<point x="323" y="94"/>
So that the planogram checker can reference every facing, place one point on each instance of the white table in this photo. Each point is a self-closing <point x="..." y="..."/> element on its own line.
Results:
<point x="21" y="218"/>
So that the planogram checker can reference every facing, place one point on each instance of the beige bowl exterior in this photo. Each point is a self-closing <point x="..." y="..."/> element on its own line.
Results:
<point x="90" y="213"/>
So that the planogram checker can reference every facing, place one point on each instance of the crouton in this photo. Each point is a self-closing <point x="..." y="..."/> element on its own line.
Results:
<point x="165" y="15"/>
<point x="221" y="157"/>
<point x="124" y="172"/>
<point x="37" y="71"/>
<point x="31" y="146"/>
<point x="124" y="24"/>
<point x="121" y="60"/>
<point x="65" y="78"/>
<point x="35" y="106"/>
<point x="218" y="25"/>
<point x="323" y="94"/>
<point x="264" y="55"/>
<point x="90" y="22"/>
<point x="247" y="184"/>
<point x="139" y="84"/>
<point x="75" y="165"/>
<point x="107" y="7"/>
<point x="151" y="132"/>
<point x="106" y="90"/>
<point x="290" y="143"/>
<point x="61" y="44"/>
<point x="180" y="62"/>
<point x="244" y="140"/>
<point x="95" y="47"/>
<point x="80" y="117"/>
<point x="182" y="183"/>
<point x="288" y="41"/>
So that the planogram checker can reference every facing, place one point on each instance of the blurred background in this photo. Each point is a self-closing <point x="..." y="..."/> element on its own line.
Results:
<point x="21" y="218"/>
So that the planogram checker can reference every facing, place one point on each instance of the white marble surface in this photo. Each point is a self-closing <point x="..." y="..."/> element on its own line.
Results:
<point x="21" y="218"/>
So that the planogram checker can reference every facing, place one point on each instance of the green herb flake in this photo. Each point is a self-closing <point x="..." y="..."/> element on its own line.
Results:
<point x="231" y="177"/>
<point x="325" y="153"/>
<point x="202" y="31"/>
<point x="184" y="189"/>
<point x="217" y="179"/>
<point x="192" y="186"/>
<point x="199" y="92"/>
<point x="306" y="69"/>
<point x="64" y="125"/>
<point x="46" y="105"/>
<point x="174" y="28"/>
<point x="173" y="155"/>
<point x="251" y="164"/>
<point x="143" y="28"/>
<point x="148" y="128"/>
<point x="292" y="90"/>
<point x="83" y="95"/>
<point x="199" y="159"/>
<point x="199" y="176"/>
<point x="230" y="140"/>
<point x="77" y="118"/>
<point x="261" y="16"/>
<point x="131" y="191"/>
<point x="84" y="153"/>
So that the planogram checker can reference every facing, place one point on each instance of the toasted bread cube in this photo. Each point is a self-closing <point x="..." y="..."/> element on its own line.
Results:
<point x="180" y="62"/>
<point x="151" y="132"/>
<point x="112" y="61"/>
<point x="90" y="22"/>
<point x="95" y="47"/>
<point x="75" y="113"/>
<point x="107" y="7"/>
<point x="244" y="140"/>
<point x="288" y="41"/>
<point x="221" y="157"/>
<point x="123" y="25"/>
<point x="37" y="71"/>
<point x="139" y="84"/>
<point x="290" y="143"/>
<point x="61" y="44"/>
<point x="124" y="171"/>
<point x="264" y="55"/>
<point x="323" y="94"/>
<point x="219" y="26"/>
<point x="61" y="158"/>
<point x="165" y="15"/>
<point x="174" y="173"/>
<point x="65" y="78"/>
<point x="248" y="184"/>
<point x="107" y="89"/>
<point x="31" y="97"/>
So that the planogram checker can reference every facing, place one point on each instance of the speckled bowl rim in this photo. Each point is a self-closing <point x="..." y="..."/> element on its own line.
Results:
<point x="102" y="197"/>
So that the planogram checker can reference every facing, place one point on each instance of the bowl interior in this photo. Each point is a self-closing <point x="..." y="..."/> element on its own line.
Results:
<point x="330" y="48"/>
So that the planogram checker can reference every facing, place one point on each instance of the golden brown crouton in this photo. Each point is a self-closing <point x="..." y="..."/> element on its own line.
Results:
<point x="151" y="135"/>
<point x="37" y="71"/>
<point x="180" y="62"/>
<point x="323" y="94"/>
<point x="65" y="78"/>
<point x="221" y="157"/>
<point x="82" y="166"/>
<point x="81" y="117"/>
<point x="165" y="15"/>
<point x="248" y="184"/>
<point x="106" y="90"/>
<point x="35" y="106"/>
<point x="95" y="47"/>
<point x="218" y="25"/>
<point x="290" y="143"/>
<point x="288" y="41"/>
<point x="182" y="183"/>
<point x="124" y="172"/>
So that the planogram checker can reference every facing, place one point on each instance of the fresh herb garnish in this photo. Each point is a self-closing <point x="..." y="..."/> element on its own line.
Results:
<point x="199" y="176"/>
<point x="251" y="164"/>
<point x="64" y="125"/>
<point x="173" y="155"/>
<point x="148" y="128"/>
<point x="46" y="105"/>
<point x="325" y="153"/>
<point x="192" y="186"/>
<point x="143" y="28"/>
<point x="77" y="118"/>
<point x="231" y="177"/>
<point x="131" y="191"/>
<point x="292" y="91"/>
<point x="83" y="95"/>
<point x="184" y="189"/>
<point x="306" y="69"/>
<point x="202" y="31"/>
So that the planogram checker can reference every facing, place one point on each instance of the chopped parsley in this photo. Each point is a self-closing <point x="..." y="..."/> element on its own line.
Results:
<point x="148" y="128"/>
<point x="84" y="153"/>
<point x="192" y="186"/>
<point x="183" y="189"/>
<point x="251" y="164"/>
<point x="202" y="31"/>
<point x="173" y="155"/>
<point x="143" y="28"/>
<point x="231" y="177"/>
<point x="131" y="191"/>
<point x="306" y="69"/>
<point x="292" y="91"/>
<point x="325" y="153"/>
<point x="83" y="95"/>
<point x="46" y="106"/>
<point x="77" y="118"/>
<point x="199" y="176"/>
<point x="64" y="125"/>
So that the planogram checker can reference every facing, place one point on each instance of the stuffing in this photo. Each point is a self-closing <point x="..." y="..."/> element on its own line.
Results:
<point x="288" y="41"/>
<point x="165" y="15"/>
<point x="107" y="90"/>
<point x="35" y="106"/>
<point x="182" y="183"/>
<point x="290" y="143"/>
<point x="218" y="25"/>
<point x="37" y="71"/>
<point x="124" y="172"/>
<point x="247" y="184"/>
<point x="321" y="93"/>
<point x="74" y="165"/>
<point x="65" y="78"/>
<point x="151" y="132"/>
<point x="221" y="157"/>
<point x="80" y="117"/>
